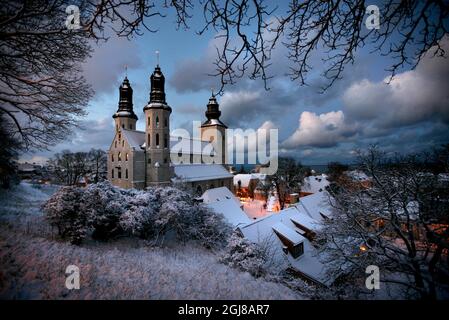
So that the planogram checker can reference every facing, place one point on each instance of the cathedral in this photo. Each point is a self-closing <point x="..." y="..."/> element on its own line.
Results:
<point x="139" y="159"/>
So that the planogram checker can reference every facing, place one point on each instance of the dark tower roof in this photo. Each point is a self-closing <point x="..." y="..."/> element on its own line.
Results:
<point x="213" y="113"/>
<point x="157" y="91"/>
<point x="125" y="103"/>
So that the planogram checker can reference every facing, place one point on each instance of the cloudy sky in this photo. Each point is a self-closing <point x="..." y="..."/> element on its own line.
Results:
<point x="409" y="114"/>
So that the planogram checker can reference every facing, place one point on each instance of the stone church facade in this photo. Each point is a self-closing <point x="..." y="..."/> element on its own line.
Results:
<point x="140" y="159"/>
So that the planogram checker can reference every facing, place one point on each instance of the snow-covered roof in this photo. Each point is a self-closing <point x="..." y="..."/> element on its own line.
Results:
<point x="288" y="233"/>
<point x="218" y="194"/>
<point x="357" y="175"/>
<point x="262" y="231"/>
<point x="200" y="172"/>
<point x="307" y="222"/>
<point x="314" y="184"/>
<point x="316" y="204"/>
<point x="136" y="139"/>
<point x="245" y="178"/>
<point x="231" y="211"/>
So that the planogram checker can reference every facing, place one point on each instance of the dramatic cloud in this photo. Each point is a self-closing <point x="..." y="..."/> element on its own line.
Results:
<point x="411" y="97"/>
<point x="323" y="131"/>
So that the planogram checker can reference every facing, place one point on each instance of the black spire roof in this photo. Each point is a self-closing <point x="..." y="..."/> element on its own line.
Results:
<point x="157" y="92"/>
<point x="125" y="104"/>
<point x="213" y="113"/>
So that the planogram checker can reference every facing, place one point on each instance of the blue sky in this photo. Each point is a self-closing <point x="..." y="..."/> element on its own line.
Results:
<point x="410" y="114"/>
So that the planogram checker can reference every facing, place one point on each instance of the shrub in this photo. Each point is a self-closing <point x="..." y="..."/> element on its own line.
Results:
<point x="245" y="255"/>
<point x="63" y="211"/>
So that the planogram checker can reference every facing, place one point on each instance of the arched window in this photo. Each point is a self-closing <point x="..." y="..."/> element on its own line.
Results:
<point x="149" y="140"/>
<point x="112" y="173"/>
<point x="112" y="157"/>
<point x="165" y="122"/>
<point x="165" y="141"/>
<point x="119" y="156"/>
<point x="157" y="139"/>
<point x="157" y="122"/>
<point x="149" y="121"/>
<point x="126" y="174"/>
<point x="126" y="157"/>
<point x="119" y="173"/>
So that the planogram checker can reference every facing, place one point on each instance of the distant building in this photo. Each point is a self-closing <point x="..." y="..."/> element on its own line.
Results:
<point x="138" y="159"/>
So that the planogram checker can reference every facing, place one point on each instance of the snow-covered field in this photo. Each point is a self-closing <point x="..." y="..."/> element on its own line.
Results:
<point x="33" y="263"/>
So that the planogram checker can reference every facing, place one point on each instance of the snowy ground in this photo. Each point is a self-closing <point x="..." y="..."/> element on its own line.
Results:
<point x="33" y="263"/>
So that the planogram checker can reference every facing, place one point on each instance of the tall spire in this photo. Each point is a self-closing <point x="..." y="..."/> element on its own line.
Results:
<point x="125" y="104"/>
<point x="157" y="93"/>
<point x="213" y="112"/>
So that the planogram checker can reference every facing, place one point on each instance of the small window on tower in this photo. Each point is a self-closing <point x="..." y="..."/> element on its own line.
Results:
<point x="123" y="143"/>
<point x="149" y="140"/>
<point x="112" y="157"/>
<point x="126" y="174"/>
<point x="112" y="172"/>
<point x="115" y="143"/>
<point x="165" y="122"/>
<point x="157" y="139"/>
<point x="165" y="141"/>
<point x="149" y="160"/>
<point x="126" y="157"/>
<point x="119" y="173"/>
<point x="149" y="121"/>
<point x="157" y="122"/>
<point x="165" y="160"/>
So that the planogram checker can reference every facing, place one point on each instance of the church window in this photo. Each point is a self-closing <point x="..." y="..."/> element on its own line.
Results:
<point x="112" y="157"/>
<point x="149" y="140"/>
<point x="149" y="160"/>
<point x="165" y="141"/>
<point x="165" y="160"/>
<point x="119" y="173"/>
<point x="126" y="174"/>
<point x="149" y="121"/>
<point x="112" y="173"/>
<point x="119" y="157"/>
<point x="123" y="143"/>
<point x="157" y="122"/>
<point x="116" y="143"/>
<point x="157" y="139"/>
<point x="119" y="136"/>
<point x="126" y="157"/>
<point x="165" y="122"/>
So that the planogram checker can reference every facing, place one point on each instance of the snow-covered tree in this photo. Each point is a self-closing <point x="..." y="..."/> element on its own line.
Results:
<point x="400" y="224"/>
<point x="64" y="211"/>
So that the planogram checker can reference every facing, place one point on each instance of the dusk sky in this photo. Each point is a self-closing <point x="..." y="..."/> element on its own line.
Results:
<point x="410" y="114"/>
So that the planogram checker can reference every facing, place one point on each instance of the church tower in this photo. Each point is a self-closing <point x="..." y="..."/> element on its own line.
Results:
<point x="157" y="129"/>
<point x="125" y="118"/>
<point x="213" y="130"/>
